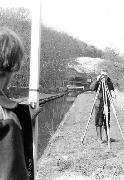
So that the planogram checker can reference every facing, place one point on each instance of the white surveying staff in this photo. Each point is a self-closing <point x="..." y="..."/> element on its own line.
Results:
<point x="35" y="71"/>
<point x="106" y="110"/>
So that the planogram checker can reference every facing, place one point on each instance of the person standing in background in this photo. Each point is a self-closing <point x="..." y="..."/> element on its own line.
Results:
<point x="100" y="120"/>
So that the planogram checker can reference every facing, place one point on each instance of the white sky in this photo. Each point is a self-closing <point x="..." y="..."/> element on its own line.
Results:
<point x="97" y="22"/>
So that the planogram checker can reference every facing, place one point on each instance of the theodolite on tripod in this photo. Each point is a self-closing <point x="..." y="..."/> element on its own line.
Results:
<point x="102" y="87"/>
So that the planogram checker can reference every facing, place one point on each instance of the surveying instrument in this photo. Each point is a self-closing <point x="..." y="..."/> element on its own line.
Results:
<point x="106" y="95"/>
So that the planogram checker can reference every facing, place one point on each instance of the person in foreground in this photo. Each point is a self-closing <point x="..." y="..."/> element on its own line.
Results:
<point x="16" y="139"/>
<point x="100" y="120"/>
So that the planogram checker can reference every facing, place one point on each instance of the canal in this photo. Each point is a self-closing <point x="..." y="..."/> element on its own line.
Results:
<point x="50" y="117"/>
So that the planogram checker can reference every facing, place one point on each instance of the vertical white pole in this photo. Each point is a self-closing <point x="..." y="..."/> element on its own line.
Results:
<point x="35" y="70"/>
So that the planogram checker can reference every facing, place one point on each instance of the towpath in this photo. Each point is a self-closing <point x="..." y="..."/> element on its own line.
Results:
<point x="66" y="158"/>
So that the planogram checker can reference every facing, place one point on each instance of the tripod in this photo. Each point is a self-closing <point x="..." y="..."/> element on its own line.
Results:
<point x="106" y="96"/>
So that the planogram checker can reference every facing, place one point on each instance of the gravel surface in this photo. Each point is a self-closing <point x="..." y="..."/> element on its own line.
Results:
<point x="66" y="158"/>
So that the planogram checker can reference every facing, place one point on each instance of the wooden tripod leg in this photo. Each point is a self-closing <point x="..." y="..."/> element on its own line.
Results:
<point x="87" y="125"/>
<point x="114" y="112"/>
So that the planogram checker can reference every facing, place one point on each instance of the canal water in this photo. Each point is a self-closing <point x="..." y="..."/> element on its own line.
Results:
<point x="50" y="117"/>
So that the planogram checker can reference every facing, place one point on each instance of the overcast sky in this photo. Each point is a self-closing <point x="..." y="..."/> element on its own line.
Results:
<point x="97" y="22"/>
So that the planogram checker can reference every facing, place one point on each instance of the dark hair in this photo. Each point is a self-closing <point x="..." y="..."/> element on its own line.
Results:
<point x="11" y="51"/>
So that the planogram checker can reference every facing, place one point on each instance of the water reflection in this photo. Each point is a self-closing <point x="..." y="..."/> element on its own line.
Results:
<point x="50" y="118"/>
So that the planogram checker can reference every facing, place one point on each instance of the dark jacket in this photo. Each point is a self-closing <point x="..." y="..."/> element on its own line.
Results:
<point x="16" y="145"/>
<point x="94" y="87"/>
